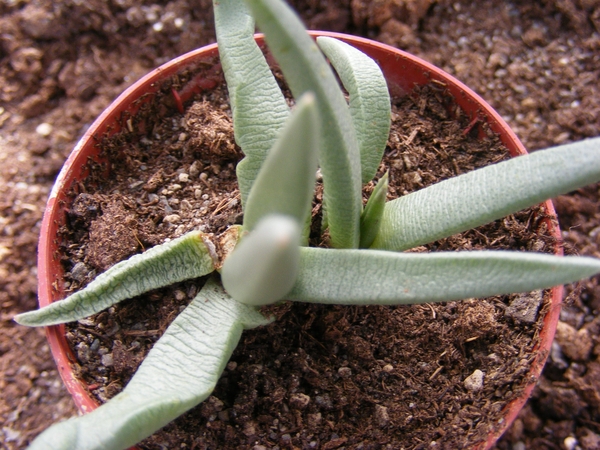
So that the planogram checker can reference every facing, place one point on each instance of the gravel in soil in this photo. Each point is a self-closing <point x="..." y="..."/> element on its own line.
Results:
<point x="62" y="62"/>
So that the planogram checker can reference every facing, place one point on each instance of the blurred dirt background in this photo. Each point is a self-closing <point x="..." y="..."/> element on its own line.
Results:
<point x="62" y="62"/>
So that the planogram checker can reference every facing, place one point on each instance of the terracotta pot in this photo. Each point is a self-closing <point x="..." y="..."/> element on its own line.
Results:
<point x="402" y="71"/>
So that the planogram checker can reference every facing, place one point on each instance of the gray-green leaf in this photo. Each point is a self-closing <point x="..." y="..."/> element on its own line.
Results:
<point x="190" y="256"/>
<point x="264" y="265"/>
<point x="370" y="106"/>
<point x="286" y="182"/>
<point x="365" y="277"/>
<point x="258" y="105"/>
<point x="179" y="372"/>
<point x="305" y="69"/>
<point x="487" y="194"/>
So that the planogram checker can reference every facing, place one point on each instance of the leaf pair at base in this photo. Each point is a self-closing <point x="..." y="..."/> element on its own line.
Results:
<point x="179" y="372"/>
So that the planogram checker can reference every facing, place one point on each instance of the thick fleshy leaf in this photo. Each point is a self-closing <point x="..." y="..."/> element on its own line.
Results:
<point x="306" y="70"/>
<point x="370" y="106"/>
<point x="487" y="194"/>
<point x="264" y="265"/>
<point x="286" y="182"/>
<point x="258" y="105"/>
<point x="365" y="277"/>
<point x="190" y="256"/>
<point x="179" y="372"/>
<point x="370" y="220"/>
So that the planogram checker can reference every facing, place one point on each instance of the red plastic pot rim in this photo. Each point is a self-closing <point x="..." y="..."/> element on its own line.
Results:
<point x="403" y="72"/>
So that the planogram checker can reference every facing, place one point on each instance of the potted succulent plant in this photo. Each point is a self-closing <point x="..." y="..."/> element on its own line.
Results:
<point x="266" y="260"/>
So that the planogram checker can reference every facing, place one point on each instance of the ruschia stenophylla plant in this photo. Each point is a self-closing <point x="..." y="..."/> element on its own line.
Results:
<point x="271" y="261"/>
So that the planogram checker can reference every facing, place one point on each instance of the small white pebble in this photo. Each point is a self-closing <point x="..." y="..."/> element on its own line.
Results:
<point x="151" y="15"/>
<point x="44" y="129"/>
<point x="195" y="169"/>
<point x="87" y="322"/>
<point x="520" y="445"/>
<point x="388" y="368"/>
<point x="299" y="401"/>
<point x="474" y="382"/>
<point x="178" y="22"/>
<point x="107" y="360"/>
<point x="381" y="415"/>
<point x="158" y="27"/>
<point x="562" y="137"/>
<point x="11" y="435"/>
<point x="184" y="178"/>
<point x="172" y="218"/>
<point x="570" y="443"/>
<point x="345" y="372"/>
<point x="564" y="62"/>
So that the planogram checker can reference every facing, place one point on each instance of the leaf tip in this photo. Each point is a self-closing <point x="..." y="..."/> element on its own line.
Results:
<point x="263" y="267"/>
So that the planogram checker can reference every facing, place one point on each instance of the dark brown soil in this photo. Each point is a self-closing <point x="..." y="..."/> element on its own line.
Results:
<point x="62" y="62"/>
<point x="372" y="376"/>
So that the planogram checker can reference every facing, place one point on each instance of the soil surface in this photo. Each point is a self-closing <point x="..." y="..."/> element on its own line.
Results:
<point x="538" y="64"/>
<point x="320" y="376"/>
